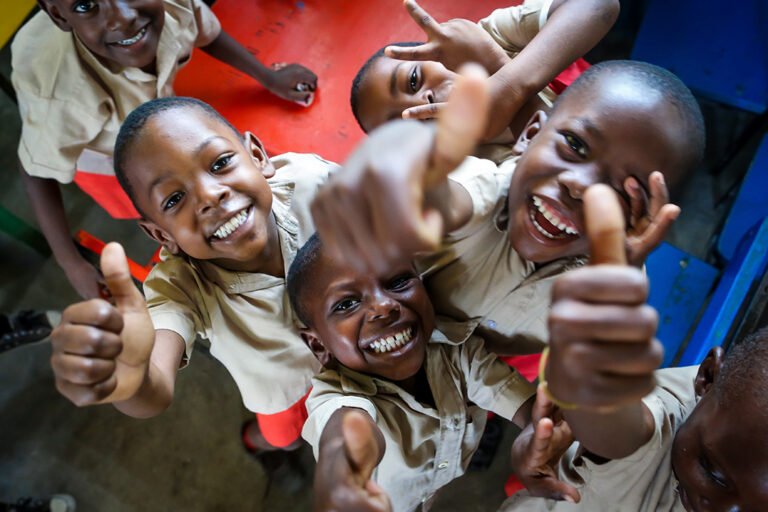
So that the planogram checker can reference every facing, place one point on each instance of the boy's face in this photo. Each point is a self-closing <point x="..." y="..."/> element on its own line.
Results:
<point x="125" y="32"/>
<point x="603" y="133"/>
<point x="720" y="455"/>
<point x="374" y="325"/>
<point x="392" y="86"/>
<point x="202" y="190"/>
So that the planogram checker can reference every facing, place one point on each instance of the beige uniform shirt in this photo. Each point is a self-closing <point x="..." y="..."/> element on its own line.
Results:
<point x="72" y="105"/>
<point x="247" y="316"/>
<point x="513" y="28"/>
<point x="642" y="482"/>
<point x="426" y="447"/>
<point x="478" y="275"/>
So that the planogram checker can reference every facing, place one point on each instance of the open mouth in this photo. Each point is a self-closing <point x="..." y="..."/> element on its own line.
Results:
<point x="549" y="222"/>
<point x="133" y="40"/>
<point x="232" y="225"/>
<point x="391" y="343"/>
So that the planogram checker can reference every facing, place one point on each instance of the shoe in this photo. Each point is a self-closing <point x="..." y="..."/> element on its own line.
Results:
<point x="26" y="327"/>
<point x="57" y="503"/>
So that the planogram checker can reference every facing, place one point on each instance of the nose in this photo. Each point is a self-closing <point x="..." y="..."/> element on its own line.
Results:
<point x="210" y="195"/>
<point x="577" y="181"/>
<point x="120" y="15"/>
<point x="383" y="307"/>
<point x="430" y="96"/>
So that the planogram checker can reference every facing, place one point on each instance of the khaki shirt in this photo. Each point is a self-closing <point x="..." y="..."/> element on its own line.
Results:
<point x="247" y="316"/>
<point x="642" y="482"/>
<point x="513" y="28"/>
<point x="478" y="275"/>
<point x="72" y="105"/>
<point x="426" y="447"/>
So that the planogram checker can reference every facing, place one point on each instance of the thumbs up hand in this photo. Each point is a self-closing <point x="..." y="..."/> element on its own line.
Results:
<point x="101" y="351"/>
<point x="343" y="475"/>
<point x="602" y="347"/>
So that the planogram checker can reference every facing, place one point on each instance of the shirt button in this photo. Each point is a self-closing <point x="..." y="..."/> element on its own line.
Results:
<point x="442" y="465"/>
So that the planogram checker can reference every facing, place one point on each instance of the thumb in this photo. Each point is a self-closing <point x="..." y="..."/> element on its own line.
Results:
<point x="605" y="226"/>
<point x="114" y="266"/>
<point x="361" y="447"/>
<point x="560" y="490"/>
<point x="461" y="123"/>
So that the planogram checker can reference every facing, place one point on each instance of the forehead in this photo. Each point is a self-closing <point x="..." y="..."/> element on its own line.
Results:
<point x="376" y="96"/>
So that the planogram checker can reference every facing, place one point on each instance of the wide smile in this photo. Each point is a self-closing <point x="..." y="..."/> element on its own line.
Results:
<point x="393" y="343"/>
<point x="132" y="40"/>
<point x="549" y="222"/>
<point x="232" y="226"/>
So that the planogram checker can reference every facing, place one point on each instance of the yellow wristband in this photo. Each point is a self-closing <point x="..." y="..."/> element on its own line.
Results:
<point x="543" y="382"/>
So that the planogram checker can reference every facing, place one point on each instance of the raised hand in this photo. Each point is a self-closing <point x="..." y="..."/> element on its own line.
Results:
<point x="537" y="451"/>
<point x="343" y="476"/>
<point x="292" y="82"/>
<point x="388" y="203"/>
<point x="101" y="352"/>
<point x="650" y="218"/>
<point x="603" y="350"/>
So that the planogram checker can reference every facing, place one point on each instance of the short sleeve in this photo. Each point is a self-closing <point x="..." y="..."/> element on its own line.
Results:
<point x="478" y="178"/>
<point x="491" y="383"/>
<point x="208" y="25"/>
<point x="514" y="27"/>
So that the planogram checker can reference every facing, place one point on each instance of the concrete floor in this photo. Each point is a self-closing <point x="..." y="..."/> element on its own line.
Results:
<point x="190" y="457"/>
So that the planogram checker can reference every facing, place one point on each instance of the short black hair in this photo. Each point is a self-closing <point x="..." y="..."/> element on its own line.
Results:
<point x="134" y="124"/>
<point x="299" y="274"/>
<point x="659" y="79"/>
<point x="354" y="95"/>
<point x="744" y="373"/>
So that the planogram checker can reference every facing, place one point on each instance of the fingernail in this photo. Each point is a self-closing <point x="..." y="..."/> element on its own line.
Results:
<point x="406" y="114"/>
<point x="569" y="499"/>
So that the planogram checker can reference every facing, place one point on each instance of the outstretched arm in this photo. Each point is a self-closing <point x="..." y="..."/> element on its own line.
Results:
<point x="293" y="82"/>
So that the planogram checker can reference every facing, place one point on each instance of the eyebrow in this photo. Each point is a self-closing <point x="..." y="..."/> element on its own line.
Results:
<point x="156" y="182"/>
<point x="207" y="142"/>
<point x="393" y="79"/>
<point x="590" y="127"/>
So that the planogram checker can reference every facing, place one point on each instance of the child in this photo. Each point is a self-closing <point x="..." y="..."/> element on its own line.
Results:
<point x="230" y="220"/>
<point x="522" y="47"/>
<point x="424" y="391"/>
<point x="620" y="123"/>
<point x="79" y="68"/>
<point x="698" y="441"/>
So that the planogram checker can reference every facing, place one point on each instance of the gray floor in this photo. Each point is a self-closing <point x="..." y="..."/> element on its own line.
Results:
<point x="189" y="458"/>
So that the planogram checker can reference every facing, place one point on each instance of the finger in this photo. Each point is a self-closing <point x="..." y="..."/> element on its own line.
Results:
<point x="542" y="406"/>
<point x="659" y="193"/>
<point x="81" y="395"/>
<point x="86" y="340"/>
<point x="275" y="66"/>
<point x="570" y="320"/>
<point x="379" y="497"/>
<point x="81" y="370"/>
<point x="360" y="445"/>
<point x="423" y="112"/>
<point x="114" y="266"/>
<point x="605" y="226"/>
<point x="461" y="123"/>
<point x="560" y="490"/>
<point x="655" y="231"/>
<point x="426" y="51"/>
<point x="95" y="312"/>
<point x="422" y="18"/>
<point x="638" y="201"/>
<point x="540" y="446"/>
<point x="609" y="284"/>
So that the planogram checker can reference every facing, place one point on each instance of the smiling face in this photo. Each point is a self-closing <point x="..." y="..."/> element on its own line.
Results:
<point x="374" y="325"/>
<point x="391" y="86"/>
<point x="602" y="133"/>
<point x="203" y="190"/>
<point x="125" y="32"/>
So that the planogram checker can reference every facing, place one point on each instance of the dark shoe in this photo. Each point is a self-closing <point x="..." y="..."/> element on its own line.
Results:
<point x="283" y="466"/>
<point x="489" y="443"/>
<point x="25" y="327"/>
<point x="57" y="503"/>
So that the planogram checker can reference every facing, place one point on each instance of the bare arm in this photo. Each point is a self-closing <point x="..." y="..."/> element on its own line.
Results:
<point x="45" y="197"/>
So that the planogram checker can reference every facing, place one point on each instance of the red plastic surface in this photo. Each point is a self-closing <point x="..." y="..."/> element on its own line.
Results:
<point x="331" y="37"/>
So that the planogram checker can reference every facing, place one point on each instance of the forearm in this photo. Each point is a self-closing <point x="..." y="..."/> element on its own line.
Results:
<point x="45" y="197"/>
<point x="614" y="434"/>
<point x="229" y="51"/>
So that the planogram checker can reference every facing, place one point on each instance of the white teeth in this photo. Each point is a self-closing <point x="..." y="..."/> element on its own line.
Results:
<point x="127" y="42"/>
<point x="552" y="217"/>
<point x="232" y="224"/>
<point x="391" y="343"/>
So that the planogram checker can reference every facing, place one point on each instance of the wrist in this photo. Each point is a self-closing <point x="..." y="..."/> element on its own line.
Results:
<point x="68" y="257"/>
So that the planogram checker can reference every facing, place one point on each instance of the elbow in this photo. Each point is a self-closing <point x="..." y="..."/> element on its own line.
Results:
<point x="608" y="11"/>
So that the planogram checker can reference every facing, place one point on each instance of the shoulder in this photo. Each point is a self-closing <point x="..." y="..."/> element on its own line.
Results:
<point x="302" y="168"/>
<point x="171" y="273"/>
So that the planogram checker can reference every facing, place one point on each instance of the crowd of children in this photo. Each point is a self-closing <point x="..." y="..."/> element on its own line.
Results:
<point x="366" y="308"/>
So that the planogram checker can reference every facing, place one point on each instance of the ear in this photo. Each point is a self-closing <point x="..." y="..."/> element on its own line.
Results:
<point x="160" y="236"/>
<point x="259" y="155"/>
<point x="53" y="12"/>
<point x="316" y="346"/>
<point x="537" y="120"/>
<point x="708" y="371"/>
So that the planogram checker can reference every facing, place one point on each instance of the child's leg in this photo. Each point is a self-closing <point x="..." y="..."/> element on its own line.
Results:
<point x="281" y="430"/>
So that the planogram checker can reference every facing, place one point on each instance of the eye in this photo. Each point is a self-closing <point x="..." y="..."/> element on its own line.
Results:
<point x="413" y="80"/>
<point x="345" y="305"/>
<point x="576" y="144"/>
<point x="172" y="200"/>
<point x="400" y="282"/>
<point x="221" y="162"/>
<point x="84" y="6"/>
<point x="712" y="474"/>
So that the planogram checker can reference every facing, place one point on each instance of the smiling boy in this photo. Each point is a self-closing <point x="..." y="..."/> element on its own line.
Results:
<point x="627" y="124"/>
<point x="79" y="68"/>
<point x="424" y="391"/>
